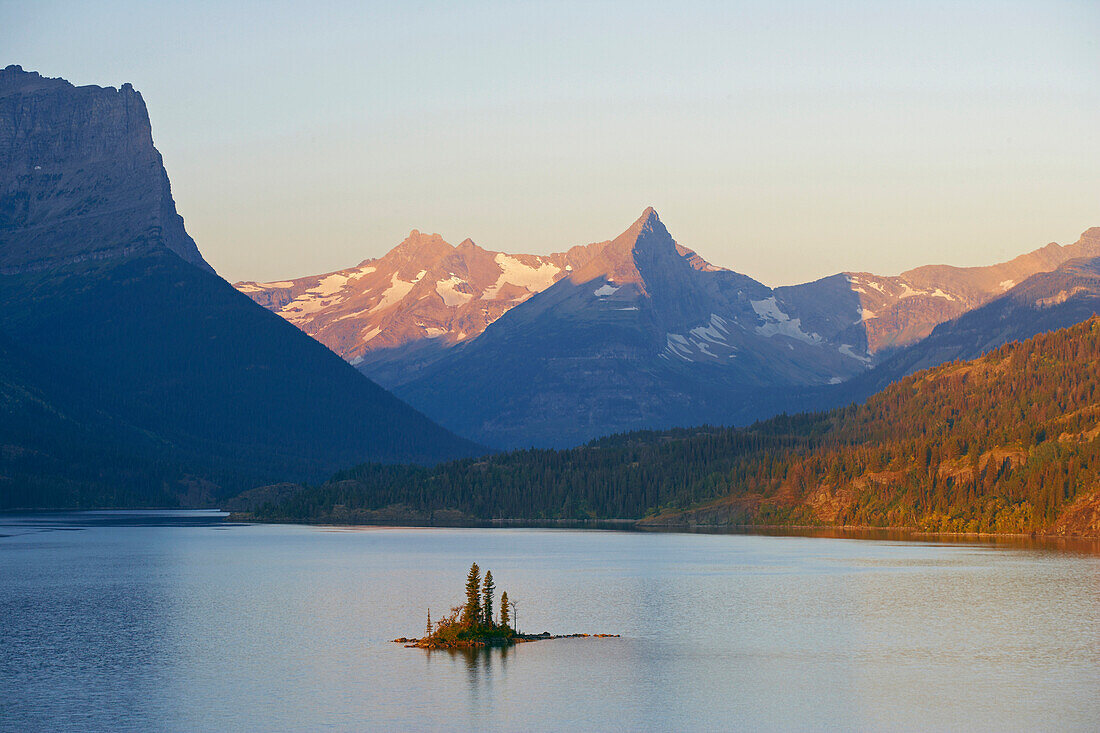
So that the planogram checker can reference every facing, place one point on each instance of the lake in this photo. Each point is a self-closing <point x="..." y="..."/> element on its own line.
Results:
<point x="178" y="621"/>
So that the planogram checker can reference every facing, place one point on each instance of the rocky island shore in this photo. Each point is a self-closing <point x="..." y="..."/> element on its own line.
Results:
<point x="428" y="642"/>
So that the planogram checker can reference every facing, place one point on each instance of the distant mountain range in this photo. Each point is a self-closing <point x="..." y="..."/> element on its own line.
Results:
<point x="1008" y="442"/>
<point x="130" y="373"/>
<point x="393" y="315"/>
<point x="636" y="332"/>
<point x="1046" y="301"/>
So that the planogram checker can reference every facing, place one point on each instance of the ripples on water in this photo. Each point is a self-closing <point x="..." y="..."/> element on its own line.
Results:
<point x="177" y="621"/>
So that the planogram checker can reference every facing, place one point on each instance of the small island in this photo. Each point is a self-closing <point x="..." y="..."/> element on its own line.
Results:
<point x="475" y="623"/>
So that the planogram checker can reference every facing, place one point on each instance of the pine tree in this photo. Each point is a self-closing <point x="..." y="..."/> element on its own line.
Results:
<point x="471" y="612"/>
<point x="428" y="628"/>
<point x="487" y="591"/>
<point x="504" y="617"/>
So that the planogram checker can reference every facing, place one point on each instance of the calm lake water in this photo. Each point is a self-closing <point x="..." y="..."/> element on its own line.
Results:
<point x="177" y="621"/>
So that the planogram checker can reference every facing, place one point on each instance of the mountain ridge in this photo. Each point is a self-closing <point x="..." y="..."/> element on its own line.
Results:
<point x="686" y="333"/>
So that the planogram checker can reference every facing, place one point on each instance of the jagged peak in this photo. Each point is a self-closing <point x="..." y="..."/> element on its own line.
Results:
<point x="647" y="231"/>
<point x="649" y="220"/>
<point x="420" y="247"/>
<point x="617" y="262"/>
<point x="418" y="238"/>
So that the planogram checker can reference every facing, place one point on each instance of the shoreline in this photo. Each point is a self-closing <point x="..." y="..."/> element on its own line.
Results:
<point x="641" y="525"/>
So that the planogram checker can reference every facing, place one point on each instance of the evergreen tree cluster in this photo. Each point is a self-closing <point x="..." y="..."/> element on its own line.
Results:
<point x="476" y="618"/>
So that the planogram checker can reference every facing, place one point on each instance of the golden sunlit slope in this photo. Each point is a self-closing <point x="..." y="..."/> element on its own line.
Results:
<point x="1004" y="443"/>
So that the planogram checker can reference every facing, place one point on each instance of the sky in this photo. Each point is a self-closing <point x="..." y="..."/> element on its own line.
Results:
<point x="785" y="140"/>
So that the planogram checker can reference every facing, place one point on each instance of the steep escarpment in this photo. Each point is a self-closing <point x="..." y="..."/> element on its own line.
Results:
<point x="116" y="328"/>
<point x="82" y="180"/>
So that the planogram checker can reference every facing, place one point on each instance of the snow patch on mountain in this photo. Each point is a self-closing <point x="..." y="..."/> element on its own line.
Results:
<point x="908" y="292"/>
<point x="392" y="295"/>
<point x="778" y="323"/>
<point x="452" y="296"/>
<point x="678" y="345"/>
<point x="605" y="290"/>
<point x="715" y="331"/>
<point x="330" y="285"/>
<point x="708" y="340"/>
<point x="848" y="351"/>
<point x="514" y="272"/>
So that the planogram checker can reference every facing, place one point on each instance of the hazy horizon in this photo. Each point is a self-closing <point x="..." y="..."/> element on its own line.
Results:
<point x="787" y="141"/>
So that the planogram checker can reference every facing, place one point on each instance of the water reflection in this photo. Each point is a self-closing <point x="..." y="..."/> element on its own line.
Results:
<point x="479" y="663"/>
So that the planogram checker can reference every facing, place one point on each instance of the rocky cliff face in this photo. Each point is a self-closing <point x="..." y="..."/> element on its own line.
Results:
<point x="82" y="180"/>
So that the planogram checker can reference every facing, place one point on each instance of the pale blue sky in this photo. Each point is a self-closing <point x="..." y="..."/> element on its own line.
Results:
<point x="785" y="140"/>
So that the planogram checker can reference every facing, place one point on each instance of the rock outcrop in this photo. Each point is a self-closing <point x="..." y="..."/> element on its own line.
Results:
<point x="82" y="180"/>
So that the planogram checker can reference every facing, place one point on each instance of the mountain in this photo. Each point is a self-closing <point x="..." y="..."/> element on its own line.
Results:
<point x="82" y="180"/>
<point x="1044" y="302"/>
<point x="115" y="327"/>
<point x="646" y="334"/>
<point x="519" y="350"/>
<point x="1009" y="442"/>
<point x="894" y="312"/>
<point x="393" y="315"/>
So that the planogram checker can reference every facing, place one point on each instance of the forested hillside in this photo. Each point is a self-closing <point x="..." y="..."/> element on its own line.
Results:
<point x="1004" y="443"/>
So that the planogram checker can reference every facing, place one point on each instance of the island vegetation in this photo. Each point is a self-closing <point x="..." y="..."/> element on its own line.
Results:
<point x="475" y="623"/>
<point x="1006" y="443"/>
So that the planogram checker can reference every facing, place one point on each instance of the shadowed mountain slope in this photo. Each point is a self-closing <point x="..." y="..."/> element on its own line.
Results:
<point x="645" y="335"/>
<point x="143" y="345"/>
